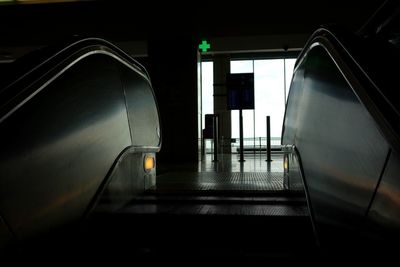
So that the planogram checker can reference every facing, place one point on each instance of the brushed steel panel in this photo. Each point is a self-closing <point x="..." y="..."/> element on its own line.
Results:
<point x="342" y="150"/>
<point x="384" y="214"/>
<point x="142" y="109"/>
<point x="58" y="147"/>
<point x="128" y="180"/>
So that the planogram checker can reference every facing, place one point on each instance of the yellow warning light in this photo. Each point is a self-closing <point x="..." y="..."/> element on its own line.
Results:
<point x="149" y="163"/>
<point x="286" y="163"/>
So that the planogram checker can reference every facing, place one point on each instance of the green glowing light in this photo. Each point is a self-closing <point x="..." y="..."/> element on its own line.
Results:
<point x="204" y="46"/>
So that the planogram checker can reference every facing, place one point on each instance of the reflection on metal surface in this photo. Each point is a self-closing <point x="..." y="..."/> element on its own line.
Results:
<point x="294" y="180"/>
<point x="73" y="132"/>
<point x="386" y="205"/>
<point x="342" y="148"/>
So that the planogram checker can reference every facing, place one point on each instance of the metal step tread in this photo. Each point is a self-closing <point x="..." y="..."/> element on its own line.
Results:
<point x="216" y="199"/>
<point x="190" y="191"/>
<point x="232" y="209"/>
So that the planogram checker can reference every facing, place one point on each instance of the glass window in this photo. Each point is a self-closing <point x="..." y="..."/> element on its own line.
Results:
<point x="269" y="96"/>
<point x="241" y="66"/>
<point x="289" y="64"/>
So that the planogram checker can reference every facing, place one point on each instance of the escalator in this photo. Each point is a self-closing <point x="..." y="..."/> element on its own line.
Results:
<point x="342" y="129"/>
<point x="207" y="228"/>
<point x="78" y="125"/>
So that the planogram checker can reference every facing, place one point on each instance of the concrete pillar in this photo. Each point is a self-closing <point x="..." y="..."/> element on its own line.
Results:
<point x="172" y="66"/>
<point x="221" y="68"/>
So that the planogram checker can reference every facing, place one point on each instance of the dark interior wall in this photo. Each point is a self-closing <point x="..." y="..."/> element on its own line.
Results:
<point x="173" y="71"/>
<point x="119" y="20"/>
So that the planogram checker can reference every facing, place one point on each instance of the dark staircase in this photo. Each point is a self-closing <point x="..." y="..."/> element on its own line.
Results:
<point x="186" y="229"/>
<point x="207" y="227"/>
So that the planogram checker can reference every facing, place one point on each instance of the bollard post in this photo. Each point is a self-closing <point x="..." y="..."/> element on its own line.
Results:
<point x="215" y="136"/>
<point x="241" y="135"/>
<point x="268" y="140"/>
<point x="203" y="145"/>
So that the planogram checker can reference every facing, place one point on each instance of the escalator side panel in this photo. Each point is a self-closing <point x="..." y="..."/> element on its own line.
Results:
<point x="292" y="108"/>
<point x="6" y="237"/>
<point x="59" y="146"/>
<point x="142" y="109"/>
<point x="384" y="216"/>
<point x="342" y="150"/>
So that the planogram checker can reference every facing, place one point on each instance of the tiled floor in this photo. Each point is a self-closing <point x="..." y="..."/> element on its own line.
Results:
<point x="227" y="174"/>
<point x="221" y="181"/>
<point x="230" y="163"/>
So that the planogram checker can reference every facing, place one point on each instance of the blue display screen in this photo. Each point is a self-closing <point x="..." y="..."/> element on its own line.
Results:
<point x="240" y="91"/>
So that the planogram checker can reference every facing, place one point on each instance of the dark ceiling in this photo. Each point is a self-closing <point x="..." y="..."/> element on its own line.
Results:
<point x="129" y="20"/>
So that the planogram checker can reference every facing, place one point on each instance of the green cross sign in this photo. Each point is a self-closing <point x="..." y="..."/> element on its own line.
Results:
<point x="204" y="46"/>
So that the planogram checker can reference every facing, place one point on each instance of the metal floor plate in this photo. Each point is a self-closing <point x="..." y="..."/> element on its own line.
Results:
<point x="221" y="181"/>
